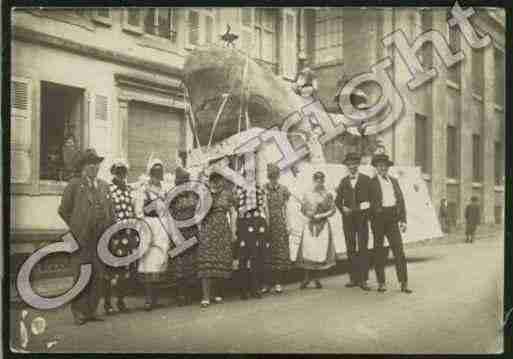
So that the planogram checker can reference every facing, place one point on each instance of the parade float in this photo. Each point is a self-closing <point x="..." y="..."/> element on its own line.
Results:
<point x="231" y="100"/>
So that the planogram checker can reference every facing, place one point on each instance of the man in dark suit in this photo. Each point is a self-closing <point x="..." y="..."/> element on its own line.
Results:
<point x="87" y="210"/>
<point x="353" y="201"/>
<point x="388" y="218"/>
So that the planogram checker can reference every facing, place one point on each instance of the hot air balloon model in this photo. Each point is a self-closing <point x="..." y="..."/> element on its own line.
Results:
<point x="228" y="37"/>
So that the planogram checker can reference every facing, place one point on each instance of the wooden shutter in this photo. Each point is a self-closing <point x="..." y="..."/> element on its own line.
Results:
<point x="247" y="22"/>
<point x="100" y="130"/>
<point x="21" y="129"/>
<point x="289" y="44"/>
<point x="209" y="32"/>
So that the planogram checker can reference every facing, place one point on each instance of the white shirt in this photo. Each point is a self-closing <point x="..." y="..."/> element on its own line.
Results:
<point x="353" y="180"/>
<point x="387" y="189"/>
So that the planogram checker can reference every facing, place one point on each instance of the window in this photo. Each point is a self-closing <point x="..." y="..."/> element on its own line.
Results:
<point x="478" y="71"/>
<point x="265" y="34"/>
<point x="61" y="128"/>
<point x="499" y="164"/>
<point x="21" y="129"/>
<point x="193" y="27"/>
<point x="499" y="77"/>
<point x="201" y="27"/>
<point x="454" y="72"/>
<point x="102" y="16"/>
<point x="476" y="158"/>
<point x="421" y="145"/>
<point x="290" y="44"/>
<point x="426" y="52"/>
<point x="452" y="152"/>
<point x="159" y="22"/>
<point x="328" y="36"/>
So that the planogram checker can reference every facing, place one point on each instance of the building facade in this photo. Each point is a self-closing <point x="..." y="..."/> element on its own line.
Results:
<point x="111" y="79"/>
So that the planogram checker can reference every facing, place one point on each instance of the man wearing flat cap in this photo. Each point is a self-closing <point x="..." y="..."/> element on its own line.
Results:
<point x="353" y="201"/>
<point x="87" y="210"/>
<point x="388" y="219"/>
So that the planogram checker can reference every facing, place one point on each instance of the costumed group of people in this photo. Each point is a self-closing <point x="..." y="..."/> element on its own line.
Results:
<point x="244" y="235"/>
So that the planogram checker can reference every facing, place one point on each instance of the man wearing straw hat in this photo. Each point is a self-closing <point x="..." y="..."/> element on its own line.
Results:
<point x="87" y="210"/>
<point x="388" y="214"/>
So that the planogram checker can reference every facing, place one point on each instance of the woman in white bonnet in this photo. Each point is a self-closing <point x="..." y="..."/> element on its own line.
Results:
<point x="153" y="264"/>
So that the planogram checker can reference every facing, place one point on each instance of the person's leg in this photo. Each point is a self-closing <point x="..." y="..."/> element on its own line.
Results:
<point x="396" y="245"/>
<point x="306" y="278"/>
<point x="350" y="237"/>
<point x="107" y="296"/>
<point x="363" y="251"/>
<point x="379" y="252"/>
<point x="205" y="290"/>
<point x="148" y="294"/>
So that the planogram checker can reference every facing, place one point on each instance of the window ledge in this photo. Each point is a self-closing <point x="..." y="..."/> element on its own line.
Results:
<point x="453" y="84"/>
<point x="336" y="62"/>
<point x="52" y="187"/>
<point x="102" y="20"/>
<point x="135" y="30"/>
<point x="158" y="43"/>
<point x="452" y="181"/>
<point x="477" y="185"/>
<point x="70" y="18"/>
<point x="477" y="97"/>
<point x="499" y="188"/>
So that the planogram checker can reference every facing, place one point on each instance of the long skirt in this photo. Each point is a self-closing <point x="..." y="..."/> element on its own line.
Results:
<point x="153" y="264"/>
<point x="316" y="252"/>
<point x="215" y="247"/>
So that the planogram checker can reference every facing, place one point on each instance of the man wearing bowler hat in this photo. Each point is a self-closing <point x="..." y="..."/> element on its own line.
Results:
<point x="388" y="218"/>
<point x="87" y="210"/>
<point x="353" y="201"/>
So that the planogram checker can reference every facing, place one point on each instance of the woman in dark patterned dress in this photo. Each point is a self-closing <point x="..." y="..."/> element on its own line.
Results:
<point x="183" y="207"/>
<point x="277" y="197"/>
<point x="215" y="241"/>
<point x="122" y="243"/>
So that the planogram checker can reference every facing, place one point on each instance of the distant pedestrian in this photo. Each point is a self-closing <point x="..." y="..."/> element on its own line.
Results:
<point x="473" y="218"/>
<point x="444" y="216"/>
<point x="86" y="209"/>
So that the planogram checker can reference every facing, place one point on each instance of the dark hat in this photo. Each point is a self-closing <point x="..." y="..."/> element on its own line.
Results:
<point x="89" y="156"/>
<point x="381" y="157"/>
<point x="352" y="157"/>
<point x="181" y="176"/>
<point x="214" y="176"/>
<point x="318" y="175"/>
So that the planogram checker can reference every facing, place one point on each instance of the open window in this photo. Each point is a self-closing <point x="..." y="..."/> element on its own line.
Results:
<point x="61" y="130"/>
<point x="200" y="27"/>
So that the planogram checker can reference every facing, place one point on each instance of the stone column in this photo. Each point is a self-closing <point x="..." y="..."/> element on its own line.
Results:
<point x="439" y="115"/>
<point x="465" y="129"/>
<point x="488" y="136"/>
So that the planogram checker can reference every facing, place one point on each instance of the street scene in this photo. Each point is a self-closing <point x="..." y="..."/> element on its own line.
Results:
<point x="257" y="180"/>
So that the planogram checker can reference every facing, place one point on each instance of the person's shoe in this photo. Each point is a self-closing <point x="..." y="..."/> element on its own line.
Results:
<point x="304" y="284"/>
<point x="405" y="289"/>
<point x="108" y="309"/>
<point x="244" y="296"/>
<point x="382" y="287"/>
<point x="148" y="306"/>
<point x="95" y="319"/>
<point x="257" y="295"/>
<point x="79" y="321"/>
<point x="318" y="284"/>
<point x="205" y="303"/>
<point x="278" y="289"/>
<point x="351" y="285"/>
<point x="365" y="286"/>
<point x="264" y="290"/>
<point x="121" y="306"/>
<point x="218" y="300"/>
<point x="181" y="300"/>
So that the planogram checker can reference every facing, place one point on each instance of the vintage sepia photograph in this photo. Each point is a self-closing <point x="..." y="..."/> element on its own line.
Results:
<point x="256" y="180"/>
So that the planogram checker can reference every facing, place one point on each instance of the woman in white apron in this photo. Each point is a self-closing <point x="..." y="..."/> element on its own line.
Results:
<point x="317" y="251"/>
<point x="153" y="264"/>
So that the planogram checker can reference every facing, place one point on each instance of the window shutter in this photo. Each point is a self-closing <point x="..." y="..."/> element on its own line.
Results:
<point x="209" y="29"/>
<point x="100" y="131"/>
<point x="21" y="128"/>
<point x="247" y="21"/>
<point x="289" y="45"/>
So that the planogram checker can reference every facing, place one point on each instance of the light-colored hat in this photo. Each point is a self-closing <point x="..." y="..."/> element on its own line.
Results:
<point x="153" y="162"/>
<point x="118" y="163"/>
